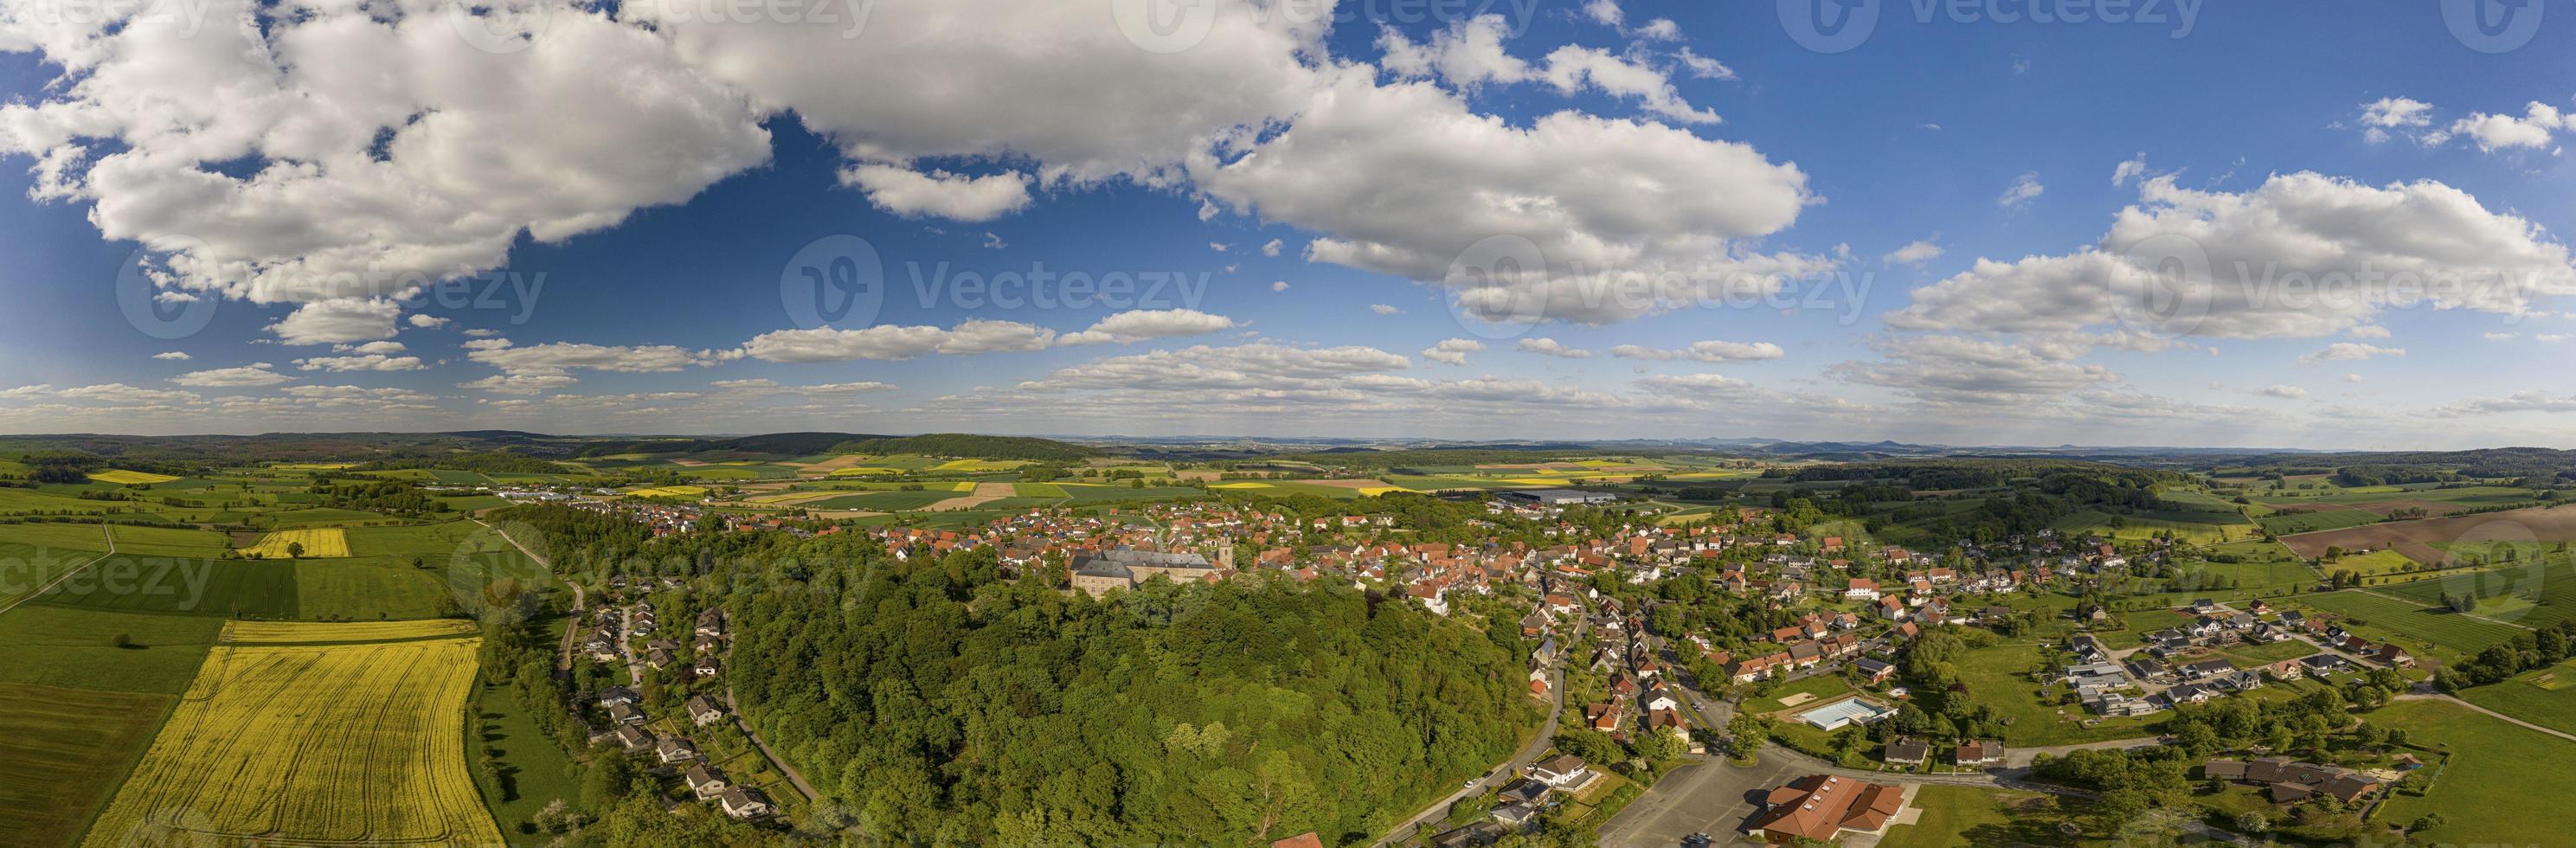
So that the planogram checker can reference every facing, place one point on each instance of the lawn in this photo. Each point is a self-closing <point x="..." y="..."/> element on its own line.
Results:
<point x="2546" y="696"/>
<point x="2495" y="774"/>
<point x="67" y="750"/>
<point x="308" y="745"/>
<point x="2447" y="629"/>
<point x="1963" y="815"/>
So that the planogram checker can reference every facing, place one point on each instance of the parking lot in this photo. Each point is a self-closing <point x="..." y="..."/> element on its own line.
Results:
<point x="1711" y="797"/>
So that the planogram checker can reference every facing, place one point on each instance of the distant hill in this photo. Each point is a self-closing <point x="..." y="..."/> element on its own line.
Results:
<point x="480" y="462"/>
<point x="792" y="444"/>
<point x="969" y="446"/>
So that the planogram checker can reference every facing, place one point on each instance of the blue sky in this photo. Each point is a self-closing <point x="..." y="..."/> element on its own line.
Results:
<point x="1962" y="217"/>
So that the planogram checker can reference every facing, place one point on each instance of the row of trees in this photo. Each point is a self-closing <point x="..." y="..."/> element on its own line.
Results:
<point x="2540" y="648"/>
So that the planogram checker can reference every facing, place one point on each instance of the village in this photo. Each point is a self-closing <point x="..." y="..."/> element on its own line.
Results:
<point x="1608" y="663"/>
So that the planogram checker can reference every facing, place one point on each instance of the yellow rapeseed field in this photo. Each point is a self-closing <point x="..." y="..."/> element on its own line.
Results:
<point x="310" y="745"/>
<point x="123" y="478"/>
<point x="668" y="491"/>
<point x="318" y="542"/>
<point x="354" y="631"/>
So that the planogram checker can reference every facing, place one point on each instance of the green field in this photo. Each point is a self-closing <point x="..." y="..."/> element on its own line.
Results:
<point x="24" y="569"/>
<point x="61" y="646"/>
<point x="2449" y="630"/>
<point x="2529" y="592"/>
<point x="882" y="501"/>
<point x="2546" y="696"/>
<point x="2193" y="526"/>
<point x="2495" y="772"/>
<point x="2371" y="564"/>
<point x="339" y="589"/>
<point x="67" y="750"/>
<point x="2283" y="524"/>
<point x="540" y="772"/>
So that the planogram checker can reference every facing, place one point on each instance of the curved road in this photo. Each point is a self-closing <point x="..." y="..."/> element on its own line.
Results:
<point x="1528" y="754"/>
<point x="794" y="777"/>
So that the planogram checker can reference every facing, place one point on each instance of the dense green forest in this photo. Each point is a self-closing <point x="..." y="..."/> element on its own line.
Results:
<point x="784" y="443"/>
<point x="937" y="701"/>
<point x="481" y="462"/>
<point x="971" y="446"/>
<point x="944" y="706"/>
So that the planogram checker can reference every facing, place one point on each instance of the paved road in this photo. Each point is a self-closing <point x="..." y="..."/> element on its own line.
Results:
<point x="626" y="647"/>
<point x="794" y="777"/>
<point x="103" y="529"/>
<point x="1438" y="811"/>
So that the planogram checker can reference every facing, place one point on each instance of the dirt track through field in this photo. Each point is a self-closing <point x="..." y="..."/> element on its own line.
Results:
<point x="984" y="493"/>
<point x="826" y="467"/>
<point x="2414" y="538"/>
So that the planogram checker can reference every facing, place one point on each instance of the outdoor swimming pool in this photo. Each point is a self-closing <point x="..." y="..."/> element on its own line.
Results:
<point x="1848" y="711"/>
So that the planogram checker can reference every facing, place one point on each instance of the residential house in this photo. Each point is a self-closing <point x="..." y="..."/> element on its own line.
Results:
<point x="705" y="782"/>
<point x="704" y="710"/>
<point x="1563" y="771"/>
<point x="743" y="803"/>
<point x="673" y="749"/>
